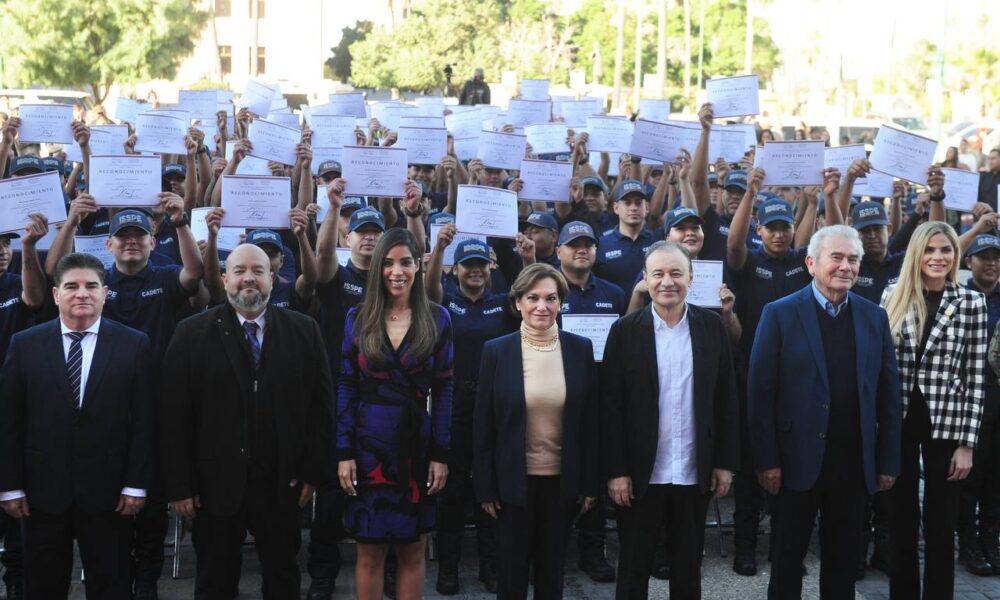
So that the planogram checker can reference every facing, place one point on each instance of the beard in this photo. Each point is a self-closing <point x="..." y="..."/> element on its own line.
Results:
<point x="248" y="302"/>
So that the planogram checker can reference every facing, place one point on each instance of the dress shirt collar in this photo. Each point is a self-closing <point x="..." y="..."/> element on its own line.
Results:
<point x="92" y="329"/>
<point x="260" y="320"/>
<point x="826" y="305"/>
<point x="661" y="325"/>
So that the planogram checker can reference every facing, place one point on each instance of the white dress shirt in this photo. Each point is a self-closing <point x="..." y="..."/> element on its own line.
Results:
<point x="676" y="452"/>
<point x="87" y="345"/>
<point x="261" y="320"/>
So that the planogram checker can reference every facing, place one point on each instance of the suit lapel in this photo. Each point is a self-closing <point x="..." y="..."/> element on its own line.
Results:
<point x="810" y="326"/>
<point x="233" y="344"/>
<point x="55" y="349"/>
<point x="98" y="364"/>
<point x="863" y="337"/>
<point x="647" y="348"/>
<point x="942" y="320"/>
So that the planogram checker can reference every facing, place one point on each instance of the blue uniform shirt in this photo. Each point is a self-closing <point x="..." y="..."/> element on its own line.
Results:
<point x="14" y="315"/>
<point x="716" y="235"/>
<point x="344" y="291"/>
<point x="754" y="242"/>
<point x="166" y="243"/>
<point x="620" y="259"/>
<point x="874" y="276"/>
<point x="283" y="295"/>
<point x="763" y="280"/>
<point x="475" y="322"/>
<point x="992" y="318"/>
<point x="151" y="301"/>
<point x="598" y="297"/>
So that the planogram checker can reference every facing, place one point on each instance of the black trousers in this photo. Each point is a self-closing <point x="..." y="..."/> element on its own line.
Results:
<point x="150" y="530"/>
<point x="679" y="508"/>
<point x="939" y="515"/>
<point x="749" y="498"/>
<point x="840" y="496"/>
<point x="590" y="533"/>
<point x="534" y="537"/>
<point x="104" y="539"/>
<point x="13" y="552"/>
<point x="326" y="533"/>
<point x="271" y="514"/>
<point x="982" y="487"/>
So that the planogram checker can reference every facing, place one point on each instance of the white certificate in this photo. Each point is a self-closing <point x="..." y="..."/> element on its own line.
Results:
<point x="793" y="163"/>
<point x="726" y="142"/>
<point x="449" y="252"/>
<point x="343" y="256"/>
<point x="501" y="150"/>
<point x="535" y="89"/>
<point x="422" y="121"/>
<point x="332" y="131"/>
<point x="257" y="97"/>
<point x="545" y="180"/>
<point x="879" y="185"/>
<point x="271" y="141"/>
<point x="285" y="120"/>
<point x="609" y="134"/>
<point x="228" y="238"/>
<point x="374" y="171"/>
<point x="108" y="139"/>
<point x="654" y="110"/>
<point x="961" y="189"/>
<point x="128" y="110"/>
<point x="663" y="142"/>
<point x="613" y="160"/>
<point x="424" y="146"/>
<point x="465" y="124"/>
<point x="321" y="155"/>
<point x="521" y="113"/>
<point x="352" y="103"/>
<point x="466" y="148"/>
<point x="50" y="123"/>
<point x="593" y="327"/>
<point x="547" y="138"/>
<point x="160" y="133"/>
<point x="125" y="180"/>
<point x="389" y="114"/>
<point x="705" y="283"/>
<point x="430" y="106"/>
<point x="96" y="246"/>
<point x="576" y="112"/>
<point x="749" y="134"/>
<point x="256" y="202"/>
<point x="842" y="157"/>
<point x="250" y="165"/>
<point x="486" y="211"/>
<point x="734" y="96"/>
<point x="902" y="154"/>
<point x="42" y="194"/>
<point x="202" y="104"/>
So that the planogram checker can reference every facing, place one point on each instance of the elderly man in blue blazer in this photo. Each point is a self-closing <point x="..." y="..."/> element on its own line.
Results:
<point x="825" y="417"/>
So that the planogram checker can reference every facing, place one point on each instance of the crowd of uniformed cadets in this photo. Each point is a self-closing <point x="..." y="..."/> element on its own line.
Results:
<point x="598" y="240"/>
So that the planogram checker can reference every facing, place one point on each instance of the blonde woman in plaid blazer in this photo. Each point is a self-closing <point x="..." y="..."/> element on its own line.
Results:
<point x="939" y="330"/>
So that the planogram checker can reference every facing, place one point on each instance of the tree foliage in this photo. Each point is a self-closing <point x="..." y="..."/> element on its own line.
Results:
<point x="86" y="44"/>
<point x="340" y="63"/>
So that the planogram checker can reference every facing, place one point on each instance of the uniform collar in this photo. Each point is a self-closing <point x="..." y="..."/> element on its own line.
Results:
<point x="972" y="286"/>
<point x="114" y="276"/>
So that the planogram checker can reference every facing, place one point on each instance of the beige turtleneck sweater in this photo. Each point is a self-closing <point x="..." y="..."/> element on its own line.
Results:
<point x="544" y="398"/>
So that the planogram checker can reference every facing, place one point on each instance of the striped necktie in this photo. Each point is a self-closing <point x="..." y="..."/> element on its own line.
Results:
<point x="74" y="365"/>
<point x="250" y="327"/>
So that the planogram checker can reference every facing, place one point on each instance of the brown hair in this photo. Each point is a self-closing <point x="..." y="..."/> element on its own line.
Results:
<point x="531" y="275"/>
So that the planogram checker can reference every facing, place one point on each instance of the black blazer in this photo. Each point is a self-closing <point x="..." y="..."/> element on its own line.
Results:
<point x="500" y="471"/>
<point x="61" y="457"/>
<point x="630" y="410"/>
<point x="208" y="385"/>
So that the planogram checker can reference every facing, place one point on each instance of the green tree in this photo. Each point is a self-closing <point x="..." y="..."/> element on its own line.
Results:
<point x="340" y="63"/>
<point x="81" y="43"/>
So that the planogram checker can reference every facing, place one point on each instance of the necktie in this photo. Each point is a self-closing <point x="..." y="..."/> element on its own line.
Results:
<point x="74" y="365"/>
<point x="250" y="327"/>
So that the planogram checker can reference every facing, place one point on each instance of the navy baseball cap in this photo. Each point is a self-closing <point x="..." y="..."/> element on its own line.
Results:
<point x="364" y="216"/>
<point x="53" y="164"/>
<point x="713" y="179"/>
<point x="983" y="242"/>
<point x="440" y="218"/>
<point x="174" y="169"/>
<point x="471" y="249"/>
<point x="866" y="214"/>
<point x="260" y="237"/>
<point x="329" y="166"/>
<point x="594" y="181"/>
<point x="130" y="218"/>
<point x="630" y="186"/>
<point x="575" y="230"/>
<point x="737" y="179"/>
<point x="674" y="217"/>
<point x="773" y="210"/>
<point x="353" y="203"/>
<point x="541" y="219"/>
<point x="10" y="235"/>
<point x="21" y="164"/>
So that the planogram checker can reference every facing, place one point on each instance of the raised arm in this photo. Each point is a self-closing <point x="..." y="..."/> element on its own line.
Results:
<point x="935" y="186"/>
<point x="83" y="206"/>
<point x="329" y="231"/>
<point x="213" y="270"/>
<point x="736" y="244"/>
<point x="305" y="283"/>
<point x="192" y="267"/>
<point x="81" y="133"/>
<point x="699" y="165"/>
<point x="33" y="281"/>
<point x="435" y="291"/>
<point x="7" y="137"/>
<point x="834" y="215"/>
<point x="191" y="170"/>
<point x="414" y="211"/>
<point x="805" y="230"/>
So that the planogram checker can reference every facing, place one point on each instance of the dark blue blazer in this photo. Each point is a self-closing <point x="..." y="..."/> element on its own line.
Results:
<point x="62" y="457"/>
<point x="500" y="471"/>
<point x="788" y="391"/>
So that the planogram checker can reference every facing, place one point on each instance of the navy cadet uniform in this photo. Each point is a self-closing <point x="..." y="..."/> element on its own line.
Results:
<point x="982" y="486"/>
<point x="874" y="275"/>
<point x="283" y="292"/>
<point x="474" y="322"/>
<point x="605" y="221"/>
<point x="598" y="296"/>
<point x="336" y="297"/>
<point x="620" y="258"/>
<point x="762" y="280"/>
<point x="543" y="220"/>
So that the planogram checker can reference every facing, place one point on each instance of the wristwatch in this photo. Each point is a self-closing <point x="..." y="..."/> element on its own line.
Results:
<point x="937" y="198"/>
<point x="183" y="222"/>
<point x="203" y="149"/>
<point x="416" y="214"/>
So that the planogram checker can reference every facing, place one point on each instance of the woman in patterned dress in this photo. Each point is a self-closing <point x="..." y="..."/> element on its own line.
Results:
<point x="392" y="455"/>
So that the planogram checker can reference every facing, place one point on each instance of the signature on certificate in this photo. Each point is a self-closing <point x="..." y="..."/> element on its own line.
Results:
<point x="123" y="191"/>
<point x="487" y="221"/>
<point x="46" y="132"/>
<point x="256" y="212"/>
<point x="375" y="183"/>
<point x="793" y="173"/>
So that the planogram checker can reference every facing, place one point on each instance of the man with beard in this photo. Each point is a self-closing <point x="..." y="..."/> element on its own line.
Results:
<point x="245" y="427"/>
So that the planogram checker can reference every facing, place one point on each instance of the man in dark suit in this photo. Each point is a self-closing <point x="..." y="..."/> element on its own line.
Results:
<point x="76" y="422"/>
<point x="825" y="414"/>
<point x="671" y="425"/>
<point x="245" y="421"/>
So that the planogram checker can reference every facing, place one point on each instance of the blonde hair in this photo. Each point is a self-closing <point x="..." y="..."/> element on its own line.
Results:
<point x="907" y="298"/>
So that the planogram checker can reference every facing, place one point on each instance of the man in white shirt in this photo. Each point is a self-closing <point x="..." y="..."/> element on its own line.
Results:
<point x="75" y="432"/>
<point x="671" y="425"/>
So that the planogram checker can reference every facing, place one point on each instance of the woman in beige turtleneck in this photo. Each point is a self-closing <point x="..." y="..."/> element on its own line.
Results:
<point x="535" y="444"/>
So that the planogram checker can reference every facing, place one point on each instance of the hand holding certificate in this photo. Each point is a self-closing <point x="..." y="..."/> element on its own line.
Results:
<point x="545" y="180"/>
<point x="486" y="211"/>
<point x="271" y="141"/>
<point x="705" y="283"/>
<point x="256" y="202"/>
<point x="961" y="189"/>
<point x="125" y="180"/>
<point x="593" y="327"/>
<point x="42" y="194"/>
<point x="228" y="237"/>
<point x="609" y="134"/>
<point x="792" y="163"/>
<point x="257" y="98"/>
<point x="842" y="157"/>
<point x="902" y="154"/>
<point x="734" y="96"/>
<point x="500" y="150"/>
<point x="160" y="133"/>
<point x="46" y="123"/>
<point x="663" y="142"/>
<point x="96" y="246"/>
<point x="374" y="171"/>
<point x="547" y="138"/>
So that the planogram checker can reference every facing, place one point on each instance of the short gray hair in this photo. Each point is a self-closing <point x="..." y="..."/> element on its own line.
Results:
<point x="819" y="239"/>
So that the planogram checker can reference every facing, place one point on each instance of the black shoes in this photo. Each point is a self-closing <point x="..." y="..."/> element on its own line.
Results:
<point x="141" y="593"/>
<point x="597" y="568"/>
<point x="488" y="575"/>
<point x="321" y="589"/>
<point x="745" y="563"/>
<point x="447" y="581"/>
<point x="970" y="554"/>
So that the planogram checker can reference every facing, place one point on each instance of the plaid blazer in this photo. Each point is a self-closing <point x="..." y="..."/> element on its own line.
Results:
<point x="951" y="374"/>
